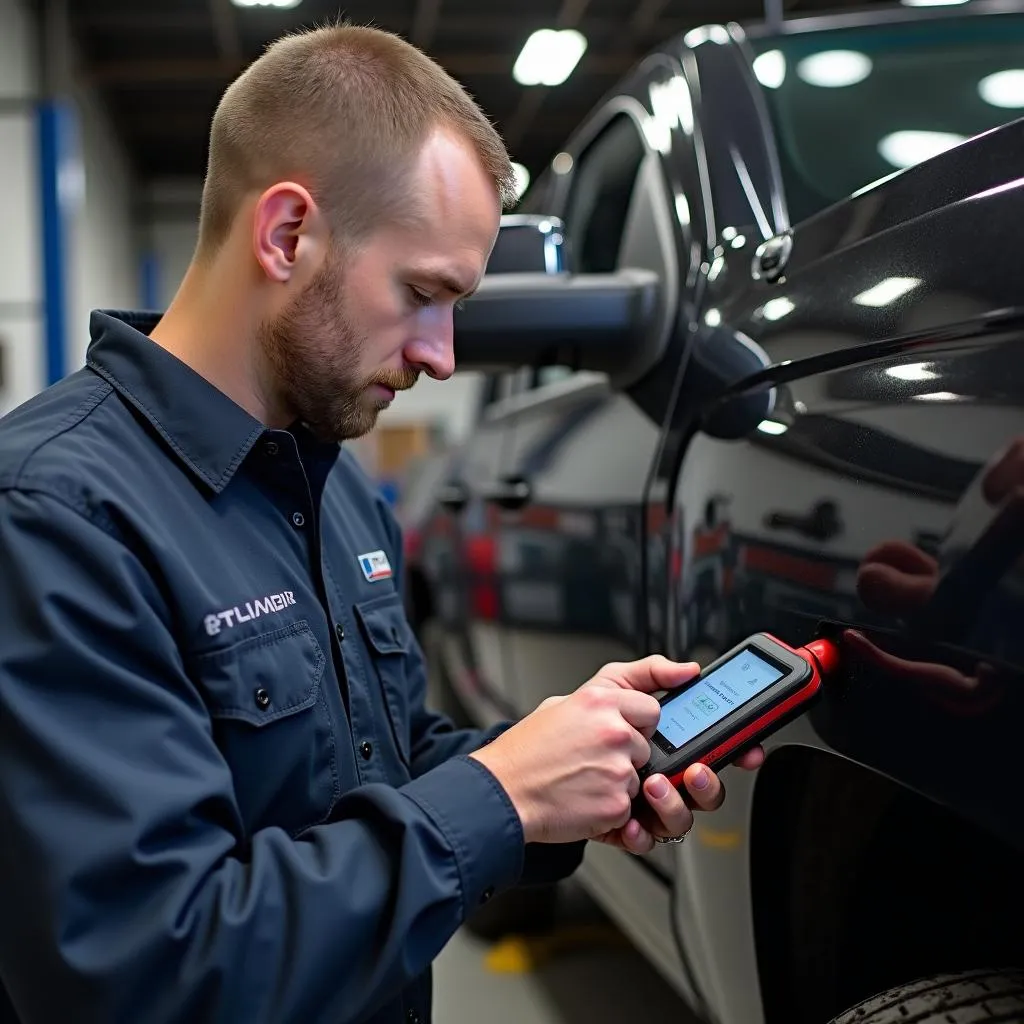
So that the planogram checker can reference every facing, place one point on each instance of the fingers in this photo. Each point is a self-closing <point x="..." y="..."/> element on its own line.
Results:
<point x="751" y="760"/>
<point x="648" y="675"/>
<point x="634" y="838"/>
<point x="671" y="815"/>
<point x="890" y="590"/>
<point x="704" y="787"/>
<point x="1005" y="473"/>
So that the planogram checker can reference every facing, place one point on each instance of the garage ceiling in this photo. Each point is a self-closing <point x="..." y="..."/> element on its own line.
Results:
<point x="161" y="65"/>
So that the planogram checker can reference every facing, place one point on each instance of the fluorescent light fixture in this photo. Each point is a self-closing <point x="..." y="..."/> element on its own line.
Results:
<point x="1003" y="89"/>
<point x="522" y="179"/>
<point x="713" y="317"/>
<point x="834" y="69"/>
<point x="905" y="149"/>
<point x="770" y="68"/>
<point x="776" y="309"/>
<point x="932" y="3"/>
<point x="549" y="56"/>
<point x="912" y="371"/>
<point x="772" y="427"/>
<point x="280" y="4"/>
<point x="739" y="241"/>
<point x="887" y="291"/>
<point x="938" y="396"/>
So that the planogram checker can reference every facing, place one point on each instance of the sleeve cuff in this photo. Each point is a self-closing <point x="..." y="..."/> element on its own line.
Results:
<point x="473" y="811"/>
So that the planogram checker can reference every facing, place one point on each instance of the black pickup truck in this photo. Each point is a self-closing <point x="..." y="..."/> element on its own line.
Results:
<point x="753" y="359"/>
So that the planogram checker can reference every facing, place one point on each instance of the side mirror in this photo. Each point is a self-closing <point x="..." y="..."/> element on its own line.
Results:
<point x="530" y="311"/>
<point x="527" y="244"/>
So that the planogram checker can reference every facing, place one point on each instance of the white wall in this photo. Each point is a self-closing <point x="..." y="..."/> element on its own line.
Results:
<point x="104" y="254"/>
<point x="21" y="292"/>
<point x="101" y="259"/>
<point x="171" y="211"/>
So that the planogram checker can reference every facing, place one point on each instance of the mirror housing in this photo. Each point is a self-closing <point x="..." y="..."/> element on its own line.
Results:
<point x="593" y="322"/>
<point x="528" y="243"/>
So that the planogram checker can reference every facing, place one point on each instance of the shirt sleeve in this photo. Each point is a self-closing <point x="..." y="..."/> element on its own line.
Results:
<point x="127" y="895"/>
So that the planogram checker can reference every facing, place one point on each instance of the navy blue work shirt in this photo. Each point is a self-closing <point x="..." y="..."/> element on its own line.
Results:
<point x="221" y="795"/>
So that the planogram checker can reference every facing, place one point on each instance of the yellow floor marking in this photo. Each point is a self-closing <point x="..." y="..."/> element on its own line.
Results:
<point x="718" y="840"/>
<point x="520" y="954"/>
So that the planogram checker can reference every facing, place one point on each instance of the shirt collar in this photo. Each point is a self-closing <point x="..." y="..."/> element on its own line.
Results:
<point x="206" y="430"/>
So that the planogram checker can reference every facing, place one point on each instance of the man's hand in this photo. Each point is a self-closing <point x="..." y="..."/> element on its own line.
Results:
<point x="570" y="768"/>
<point x="667" y="812"/>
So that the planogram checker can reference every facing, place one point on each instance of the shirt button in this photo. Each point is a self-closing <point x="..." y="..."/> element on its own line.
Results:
<point x="298" y="519"/>
<point x="487" y="894"/>
<point x="271" y="448"/>
<point x="262" y="699"/>
<point x="366" y="749"/>
<point x="339" y="632"/>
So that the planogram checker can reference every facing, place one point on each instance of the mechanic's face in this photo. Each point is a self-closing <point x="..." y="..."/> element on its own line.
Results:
<point x="371" y="322"/>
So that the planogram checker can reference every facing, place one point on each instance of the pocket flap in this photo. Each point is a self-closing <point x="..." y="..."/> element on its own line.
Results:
<point x="263" y="678"/>
<point x="385" y="624"/>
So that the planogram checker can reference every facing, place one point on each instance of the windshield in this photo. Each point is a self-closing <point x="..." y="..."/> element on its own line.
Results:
<point x="850" y="106"/>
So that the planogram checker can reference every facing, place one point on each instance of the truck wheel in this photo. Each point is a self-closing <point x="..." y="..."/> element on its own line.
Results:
<point x="979" y="996"/>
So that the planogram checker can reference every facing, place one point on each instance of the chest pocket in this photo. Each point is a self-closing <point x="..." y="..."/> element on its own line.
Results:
<point x="387" y="635"/>
<point x="273" y="726"/>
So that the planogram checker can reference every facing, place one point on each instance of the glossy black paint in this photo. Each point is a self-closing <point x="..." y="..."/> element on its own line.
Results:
<point x="837" y="451"/>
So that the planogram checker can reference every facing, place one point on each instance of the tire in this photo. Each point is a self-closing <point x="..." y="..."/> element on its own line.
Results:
<point x="972" y="998"/>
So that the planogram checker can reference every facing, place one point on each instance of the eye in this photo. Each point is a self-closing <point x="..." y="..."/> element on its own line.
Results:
<point x="420" y="298"/>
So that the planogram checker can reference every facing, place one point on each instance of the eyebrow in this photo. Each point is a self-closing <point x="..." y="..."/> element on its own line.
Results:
<point x="446" y="281"/>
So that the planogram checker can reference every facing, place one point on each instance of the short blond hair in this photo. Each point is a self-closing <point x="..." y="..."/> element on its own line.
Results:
<point x="342" y="110"/>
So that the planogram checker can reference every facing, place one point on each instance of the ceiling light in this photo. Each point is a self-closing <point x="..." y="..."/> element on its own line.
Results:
<point x="281" y="4"/>
<point x="905" y="149"/>
<point x="834" y="69"/>
<point x="776" y="309"/>
<point x="938" y="396"/>
<point x="549" y="56"/>
<point x="772" y="427"/>
<point x="770" y="68"/>
<point x="562" y="163"/>
<point x="932" y="3"/>
<point x="1003" y="89"/>
<point x="522" y="176"/>
<point x="713" y="318"/>
<point x="912" y="371"/>
<point x="682" y="209"/>
<point x="706" y="34"/>
<point x="887" y="291"/>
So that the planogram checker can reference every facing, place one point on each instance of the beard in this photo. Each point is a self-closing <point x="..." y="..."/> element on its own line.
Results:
<point x="313" y="351"/>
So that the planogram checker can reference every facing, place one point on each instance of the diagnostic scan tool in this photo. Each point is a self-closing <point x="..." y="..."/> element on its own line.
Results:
<point x="738" y="700"/>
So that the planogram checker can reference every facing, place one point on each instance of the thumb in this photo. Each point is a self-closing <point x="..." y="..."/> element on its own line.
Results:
<point x="648" y="675"/>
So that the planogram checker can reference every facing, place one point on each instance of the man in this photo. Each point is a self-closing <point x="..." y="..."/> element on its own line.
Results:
<point x="222" y="795"/>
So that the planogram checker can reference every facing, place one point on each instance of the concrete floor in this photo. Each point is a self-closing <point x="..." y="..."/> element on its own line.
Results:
<point x="585" y="972"/>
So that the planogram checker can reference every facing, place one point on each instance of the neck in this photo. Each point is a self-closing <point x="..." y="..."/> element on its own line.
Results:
<point x="210" y="326"/>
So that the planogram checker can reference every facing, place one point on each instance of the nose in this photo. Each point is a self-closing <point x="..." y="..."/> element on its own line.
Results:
<point x="432" y="350"/>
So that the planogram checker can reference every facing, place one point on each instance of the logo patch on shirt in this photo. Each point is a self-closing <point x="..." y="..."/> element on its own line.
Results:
<point x="231" y="617"/>
<point x="375" y="566"/>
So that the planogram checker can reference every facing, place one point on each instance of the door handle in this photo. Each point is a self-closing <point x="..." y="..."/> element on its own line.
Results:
<point x="820" y="524"/>
<point x="453" y="496"/>
<point x="511" y="493"/>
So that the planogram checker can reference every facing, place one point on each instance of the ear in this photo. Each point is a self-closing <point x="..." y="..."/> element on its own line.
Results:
<point x="287" y="231"/>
